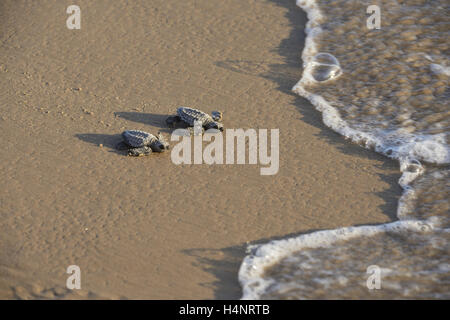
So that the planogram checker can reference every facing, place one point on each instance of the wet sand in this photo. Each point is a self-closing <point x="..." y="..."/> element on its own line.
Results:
<point x="144" y="227"/>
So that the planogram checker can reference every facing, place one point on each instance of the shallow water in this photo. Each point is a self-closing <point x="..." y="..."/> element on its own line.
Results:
<point x="387" y="90"/>
<point x="412" y="265"/>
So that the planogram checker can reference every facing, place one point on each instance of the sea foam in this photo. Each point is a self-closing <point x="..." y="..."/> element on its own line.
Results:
<point x="415" y="248"/>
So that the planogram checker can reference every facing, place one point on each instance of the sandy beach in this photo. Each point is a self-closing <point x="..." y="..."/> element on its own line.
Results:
<point x="145" y="228"/>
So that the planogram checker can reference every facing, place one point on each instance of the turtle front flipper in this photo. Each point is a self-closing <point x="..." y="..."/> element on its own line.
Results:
<point x="139" y="152"/>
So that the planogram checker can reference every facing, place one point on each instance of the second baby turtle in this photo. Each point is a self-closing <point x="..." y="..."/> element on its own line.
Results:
<point x="190" y="115"/>
<point x="141" y="143"/>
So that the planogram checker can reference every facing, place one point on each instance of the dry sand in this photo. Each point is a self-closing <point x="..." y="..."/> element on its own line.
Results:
<point x="144" y="227"/>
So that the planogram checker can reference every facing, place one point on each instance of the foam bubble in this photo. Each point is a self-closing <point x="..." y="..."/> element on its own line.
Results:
<point x="323" y="67"/>
<point x="439" y="69"/>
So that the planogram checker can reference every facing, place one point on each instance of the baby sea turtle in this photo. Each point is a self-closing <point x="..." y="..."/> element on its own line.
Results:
<point x="141" y="143"/>
<point x="190" y="115"/>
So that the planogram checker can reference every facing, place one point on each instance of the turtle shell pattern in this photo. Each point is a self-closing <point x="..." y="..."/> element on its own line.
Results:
<point x="189" y="115"/>
<point x="138" y="139"/>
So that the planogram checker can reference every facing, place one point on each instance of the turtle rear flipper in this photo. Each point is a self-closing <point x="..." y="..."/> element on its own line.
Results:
<point x="139" y="152"/>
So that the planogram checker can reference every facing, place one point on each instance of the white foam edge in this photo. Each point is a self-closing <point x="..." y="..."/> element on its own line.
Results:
<point x="254" y="265"/>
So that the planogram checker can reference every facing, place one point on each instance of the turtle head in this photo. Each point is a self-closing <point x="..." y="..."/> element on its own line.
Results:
<point x="164" y="145"/>
<point x="214" y="125"/>
<point x="216" y="115"/>
<point x="160" y="145"/>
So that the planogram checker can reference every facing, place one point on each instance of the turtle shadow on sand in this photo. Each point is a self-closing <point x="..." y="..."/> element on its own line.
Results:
<point x="152" y="119"/>
<point x="137" y="142"/>
<point x="115" y="143"/>
<point x="108" y="141"/>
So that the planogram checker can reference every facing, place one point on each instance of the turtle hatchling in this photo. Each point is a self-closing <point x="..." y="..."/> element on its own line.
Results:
<point x="190" y="115"/>
<point x="141" y="143"/>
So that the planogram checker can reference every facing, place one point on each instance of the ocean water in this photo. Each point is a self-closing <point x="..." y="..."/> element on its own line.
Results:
<point x="385" y="89"/>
